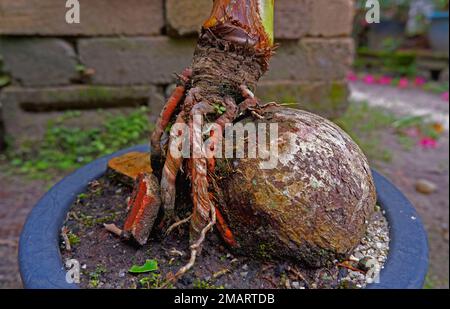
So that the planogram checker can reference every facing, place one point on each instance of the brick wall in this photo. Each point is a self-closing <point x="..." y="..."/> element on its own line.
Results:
<point x="124" y="53"/>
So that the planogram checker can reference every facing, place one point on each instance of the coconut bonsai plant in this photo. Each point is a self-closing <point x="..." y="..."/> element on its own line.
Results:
<point x="311" y="206"/>
<point x="394" y="15"/>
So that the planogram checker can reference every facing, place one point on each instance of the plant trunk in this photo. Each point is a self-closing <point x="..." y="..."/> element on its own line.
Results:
<point x="234" y="48"/>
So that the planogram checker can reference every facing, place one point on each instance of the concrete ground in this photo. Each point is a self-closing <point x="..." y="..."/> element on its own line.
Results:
<point x="17" y="197"/>
<point x="18" y="194"/>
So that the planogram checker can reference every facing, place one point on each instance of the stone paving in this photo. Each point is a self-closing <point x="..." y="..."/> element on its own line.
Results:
<point x="410" y="102"/>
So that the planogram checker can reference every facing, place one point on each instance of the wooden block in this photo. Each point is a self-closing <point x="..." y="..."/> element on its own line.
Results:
<point x="131" y="164"/>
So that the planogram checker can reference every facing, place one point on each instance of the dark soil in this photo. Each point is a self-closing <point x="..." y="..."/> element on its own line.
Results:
<point x="106" y="259"/>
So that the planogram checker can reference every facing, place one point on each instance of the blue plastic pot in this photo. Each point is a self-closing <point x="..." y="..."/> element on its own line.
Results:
<point x="438" y="32"/>
<point x="41" y="265"/>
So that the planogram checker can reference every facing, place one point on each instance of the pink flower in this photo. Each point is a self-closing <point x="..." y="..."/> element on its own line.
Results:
<point x="385" y="80"/>
<point x="352" y="77"/>
<point x="403" y="83"/>
<point x="444" y="96"/>
<point x="419" y="81"/>
<point x="428" y="143"/>
<point x="369" y="79"/>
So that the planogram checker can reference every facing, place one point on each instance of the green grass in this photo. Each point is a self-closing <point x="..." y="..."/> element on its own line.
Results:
<point x="4" y="78"/>
<point x="154" y="281"/>
<point x="73" y="239"/>
<point x="206" y="285"/>
<point x="365" y="124"/>
<point x="65" y="148"/>
<point x="432" y="283"/>
<point x="437" y="88"/>
<point x="390" y="60"/>
<point x="94" y="277"/>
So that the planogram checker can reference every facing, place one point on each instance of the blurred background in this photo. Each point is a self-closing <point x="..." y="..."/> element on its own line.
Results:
<point x="70" y="93"/>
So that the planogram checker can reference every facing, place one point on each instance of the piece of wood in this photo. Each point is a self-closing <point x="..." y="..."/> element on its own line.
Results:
<point x="131" y="164"/>
<point x="144" y="206"/>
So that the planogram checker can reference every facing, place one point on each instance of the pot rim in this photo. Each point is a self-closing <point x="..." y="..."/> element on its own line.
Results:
<point x="41" y="265"/>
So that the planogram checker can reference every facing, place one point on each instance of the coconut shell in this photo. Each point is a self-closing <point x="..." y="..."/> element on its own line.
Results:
<point x="313" y="207"/>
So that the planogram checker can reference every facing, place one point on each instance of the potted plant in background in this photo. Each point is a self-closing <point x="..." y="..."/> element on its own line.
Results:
<point x="394" y="16"/>
<point x="438" y="30"/>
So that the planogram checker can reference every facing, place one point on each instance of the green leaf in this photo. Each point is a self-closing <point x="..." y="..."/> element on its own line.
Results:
<point x="408" y="122"/>
<point x="16" y="162"/>
<point x="266" y="8"/>
<point x="4" y="80"/>
<point x="80" y="68"/>
<point x="150" y="265"/>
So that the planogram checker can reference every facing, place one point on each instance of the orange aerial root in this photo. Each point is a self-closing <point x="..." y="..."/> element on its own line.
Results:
<point x="224" y="230"/>
<point x="168" y="111"/>
<point x="172" y="105"/>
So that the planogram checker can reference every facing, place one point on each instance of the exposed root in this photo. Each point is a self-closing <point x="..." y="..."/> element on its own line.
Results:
<point x="195" y="248"/>
<point x="258" y="110"/>
<point x="66" y="239"/>
<point x="220" y="273"/>
<point x="113" y="229"/>
<point x="170" y="171"/>
<point x="269" y="105"/>
<point x="200" y="185"/>
<point x="299" y="275"/>
<point x="350" y="267"/>
<point x="173" y="165"/>
<point x="166" y="114"/>
<point x="224" y="230"/>
<point x="177" y="224"/>
<point x="255" y="113"/>
<point x="176" y="252"/>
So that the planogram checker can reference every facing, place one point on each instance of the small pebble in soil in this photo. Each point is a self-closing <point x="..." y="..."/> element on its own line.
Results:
<point x="425" y="186"/>
<point x="122" y="273"/>
<point x="371" y="254"/>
